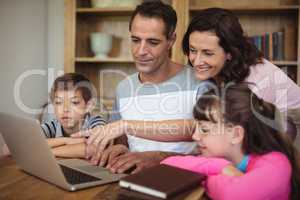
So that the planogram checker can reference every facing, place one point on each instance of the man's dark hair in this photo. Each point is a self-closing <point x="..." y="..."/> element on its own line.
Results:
<point x="157" y="9"/>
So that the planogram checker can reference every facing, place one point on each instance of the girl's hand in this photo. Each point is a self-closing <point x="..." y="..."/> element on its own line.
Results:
<point x="230" y="170"/>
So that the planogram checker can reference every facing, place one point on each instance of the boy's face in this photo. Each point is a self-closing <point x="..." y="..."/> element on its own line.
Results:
<point x="70" y="108"/>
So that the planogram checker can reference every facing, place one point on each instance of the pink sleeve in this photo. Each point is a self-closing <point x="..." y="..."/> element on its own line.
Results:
<point x="274" y="86"/>
<point x="269" y="179"/>
<point x="199" y="164"/>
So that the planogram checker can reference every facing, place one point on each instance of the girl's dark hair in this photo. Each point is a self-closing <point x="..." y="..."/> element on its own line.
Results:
<point x="231" y="36"/>
<point x="157" y="9"/>
<point x="239" y="106"/>
<point x="73" y="81"/>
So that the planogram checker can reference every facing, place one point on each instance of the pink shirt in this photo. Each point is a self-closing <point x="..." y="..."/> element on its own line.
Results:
<point x="274" y="86"/>
<point x="267" y="176"/>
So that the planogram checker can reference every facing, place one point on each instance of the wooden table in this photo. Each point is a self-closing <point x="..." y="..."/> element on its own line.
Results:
<point x="16" y="184"/>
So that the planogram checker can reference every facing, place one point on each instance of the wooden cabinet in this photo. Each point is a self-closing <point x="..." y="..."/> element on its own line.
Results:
<point x="256" y="16"/>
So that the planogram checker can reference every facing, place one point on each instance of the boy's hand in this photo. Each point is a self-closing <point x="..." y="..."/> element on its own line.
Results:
<point x="5" y="151"/>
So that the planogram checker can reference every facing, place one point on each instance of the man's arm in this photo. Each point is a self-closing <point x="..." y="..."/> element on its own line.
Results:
<point x="165" y="131"/>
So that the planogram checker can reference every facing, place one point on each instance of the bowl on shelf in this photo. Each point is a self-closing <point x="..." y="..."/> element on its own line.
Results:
<point x="115" y="3"/>
<point x="101" y="44"/>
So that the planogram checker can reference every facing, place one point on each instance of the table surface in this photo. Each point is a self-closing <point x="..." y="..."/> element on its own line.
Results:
<point x="16" y="184"/>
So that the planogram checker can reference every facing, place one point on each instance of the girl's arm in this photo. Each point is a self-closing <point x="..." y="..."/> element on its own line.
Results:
<point x="269" y="177"/>
<point x="199" y="164"/>
<point x="70" y="150"/>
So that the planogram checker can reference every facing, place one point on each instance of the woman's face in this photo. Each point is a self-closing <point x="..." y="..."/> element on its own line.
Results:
<point x="206" y="55"/>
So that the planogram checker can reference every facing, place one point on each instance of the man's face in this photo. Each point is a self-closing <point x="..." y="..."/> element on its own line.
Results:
<point x="149" y="45"/>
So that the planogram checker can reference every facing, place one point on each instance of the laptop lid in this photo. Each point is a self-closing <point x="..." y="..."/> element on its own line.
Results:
<point x="31" y="152"/>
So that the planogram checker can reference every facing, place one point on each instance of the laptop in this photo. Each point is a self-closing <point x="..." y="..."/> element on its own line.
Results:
<point x="30" y="150"/>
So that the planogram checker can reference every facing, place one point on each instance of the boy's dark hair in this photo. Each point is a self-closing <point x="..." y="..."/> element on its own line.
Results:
<point x="157" y="9"/>
<point x="73" y="81"/>
<point x="238" y="105"/>
<point x="231" y="36"/>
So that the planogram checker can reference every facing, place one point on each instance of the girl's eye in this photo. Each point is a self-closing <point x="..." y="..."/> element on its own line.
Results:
<point x="75" y="102"/>
<point x="205" y="130"/>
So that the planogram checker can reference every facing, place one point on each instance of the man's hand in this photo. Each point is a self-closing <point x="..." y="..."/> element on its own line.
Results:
<point x="99" y="138"/>
<point x="136" y="160"/>
<point x="111" y="153"/>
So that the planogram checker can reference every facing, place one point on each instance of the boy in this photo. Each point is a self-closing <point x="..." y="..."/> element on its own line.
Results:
<point x="71" y="96"/>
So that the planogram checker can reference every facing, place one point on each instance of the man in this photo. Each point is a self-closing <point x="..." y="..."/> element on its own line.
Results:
<point x="160" y="90"/>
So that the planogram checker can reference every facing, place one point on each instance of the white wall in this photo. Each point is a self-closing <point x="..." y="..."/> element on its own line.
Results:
<point x="31" y="38"/>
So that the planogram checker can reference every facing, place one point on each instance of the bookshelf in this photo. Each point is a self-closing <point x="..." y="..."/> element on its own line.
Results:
<point x="256" y="16"/>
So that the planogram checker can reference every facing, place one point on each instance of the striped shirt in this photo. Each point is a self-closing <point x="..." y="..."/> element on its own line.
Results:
<point x="53" y="128"/>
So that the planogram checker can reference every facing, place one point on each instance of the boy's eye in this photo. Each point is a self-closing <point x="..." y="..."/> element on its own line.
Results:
<point x="57" y="102"/>
<point x="75" y="102"/>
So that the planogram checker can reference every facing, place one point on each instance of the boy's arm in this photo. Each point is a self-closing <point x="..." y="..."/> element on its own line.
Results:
<point x="60" y="141"/>
<point x="70" y="150"/>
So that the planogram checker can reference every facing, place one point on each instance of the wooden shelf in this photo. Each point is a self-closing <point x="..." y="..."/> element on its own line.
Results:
<point x="291" y="8"/>
<point x="107" y="60"/>
<point x="106" y="11"/>
<point x="289" y="63"/>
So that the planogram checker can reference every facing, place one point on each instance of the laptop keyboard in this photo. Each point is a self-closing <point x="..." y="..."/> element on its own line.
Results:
<point x="76" y="177"/>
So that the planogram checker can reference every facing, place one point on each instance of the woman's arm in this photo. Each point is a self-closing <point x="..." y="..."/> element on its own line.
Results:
<point x="70" y="150"/>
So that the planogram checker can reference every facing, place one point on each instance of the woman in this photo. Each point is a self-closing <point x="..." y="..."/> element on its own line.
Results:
<point x="219" y="51"/>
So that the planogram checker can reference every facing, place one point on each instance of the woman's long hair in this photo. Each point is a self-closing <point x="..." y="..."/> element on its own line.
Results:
<point x="239" y="106"/>
<point x="231" y="36"/>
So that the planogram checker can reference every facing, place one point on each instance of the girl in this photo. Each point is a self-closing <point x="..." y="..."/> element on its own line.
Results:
<point x="238" y="127"/>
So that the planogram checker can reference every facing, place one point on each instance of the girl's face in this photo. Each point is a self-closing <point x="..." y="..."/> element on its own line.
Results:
<point x="213" y="139"/>
<point x="206" y="55"/>
<point x="70" y="109"/>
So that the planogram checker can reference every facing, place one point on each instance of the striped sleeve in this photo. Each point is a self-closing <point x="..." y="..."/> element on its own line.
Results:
<point x="49" y="129"/>
<point x="95" y="121"/>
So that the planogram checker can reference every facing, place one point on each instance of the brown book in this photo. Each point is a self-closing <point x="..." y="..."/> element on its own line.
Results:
<point x="162" y="181"/>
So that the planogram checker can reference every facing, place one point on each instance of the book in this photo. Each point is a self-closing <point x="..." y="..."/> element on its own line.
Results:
<point x="162" y="181"/>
